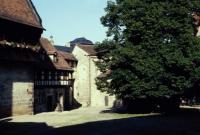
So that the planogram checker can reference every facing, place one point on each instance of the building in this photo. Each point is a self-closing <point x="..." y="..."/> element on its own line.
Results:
<point x="35" y="76"/>
<point x="53" y="79"/>
<point x="85" y="89"/>
<point x="81" y="40"/>
<point x="65" y="52"/>
<point x="21" y="29"/>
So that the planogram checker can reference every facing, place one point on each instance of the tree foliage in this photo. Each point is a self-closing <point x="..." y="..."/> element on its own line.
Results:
<point x="154" y="52"/>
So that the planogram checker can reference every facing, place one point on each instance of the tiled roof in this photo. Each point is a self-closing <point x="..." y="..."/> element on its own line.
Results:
<point x="64" y="51"/>
<point x="68" y="56"/>
<point x="21" y="11"/>
<point x="88" y="49"/>
<point x="47" y="46"/>
<point x="63" y="48"/>
<point x="61" y="64"/>
<point x="82" y="41"/>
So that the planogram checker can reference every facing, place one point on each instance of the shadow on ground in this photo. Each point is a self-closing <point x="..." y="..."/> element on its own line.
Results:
<point x="184" y="123"/>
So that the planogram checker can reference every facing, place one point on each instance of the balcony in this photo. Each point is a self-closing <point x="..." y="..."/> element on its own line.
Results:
<point x="54" y="82"/>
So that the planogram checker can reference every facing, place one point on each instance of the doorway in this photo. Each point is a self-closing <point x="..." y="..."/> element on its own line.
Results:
<point x="68" y="98"/>
<point x="49" y="103"/>
<point x="106" y="101"/>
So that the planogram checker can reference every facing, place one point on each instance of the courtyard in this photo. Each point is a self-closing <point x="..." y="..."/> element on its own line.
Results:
<point x="102" y="121"/>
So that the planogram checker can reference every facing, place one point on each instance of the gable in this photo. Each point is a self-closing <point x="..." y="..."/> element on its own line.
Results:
<point x="50" y="50"/>
<point x="89" y="49"/>
<point x="21" y="11"/>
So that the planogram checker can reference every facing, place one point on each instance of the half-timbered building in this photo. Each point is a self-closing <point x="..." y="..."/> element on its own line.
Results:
<point x="53" y="80"/>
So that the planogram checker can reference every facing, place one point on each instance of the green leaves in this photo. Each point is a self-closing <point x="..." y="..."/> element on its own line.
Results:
<point x="154" y="52"/>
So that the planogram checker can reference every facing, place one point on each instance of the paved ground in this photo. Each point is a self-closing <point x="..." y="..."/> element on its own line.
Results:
<point x="77" y="116"/>
<point x="100" y="121"/>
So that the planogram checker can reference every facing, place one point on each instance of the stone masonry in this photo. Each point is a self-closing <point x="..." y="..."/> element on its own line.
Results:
<point x="85" y="89"/>
<point x="16" y="89"/>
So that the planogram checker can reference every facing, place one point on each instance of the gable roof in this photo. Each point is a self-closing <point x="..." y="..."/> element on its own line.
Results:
<point x="88" y="49"/>
<point x="63" y="48"/>
<point x="64" y="51"/>
<point x="61" y="64"/>
<point x="82" y="41"/>
<point x="20" y="11"/>
<point x="67" y="56"/>
<point x="47" y="46"/>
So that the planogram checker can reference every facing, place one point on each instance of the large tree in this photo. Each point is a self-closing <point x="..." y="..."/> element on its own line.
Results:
<point x="153" y="52"/>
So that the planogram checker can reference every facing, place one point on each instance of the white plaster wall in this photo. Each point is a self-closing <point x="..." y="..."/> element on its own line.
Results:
<point x="81" y="84"/>
<point x="98" y="97"/>
<point x="198" y="33"/>
<point x="85" y="89"/>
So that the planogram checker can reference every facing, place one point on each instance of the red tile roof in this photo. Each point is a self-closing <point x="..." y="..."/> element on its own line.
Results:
<point x="47" y="46"/>
<point x="68" y="56"/>
<point x="21" y="11"/>
<point x="61" y="64"/>
<point x="88" y="49"/>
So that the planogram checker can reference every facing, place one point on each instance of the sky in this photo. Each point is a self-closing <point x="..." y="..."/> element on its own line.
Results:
<point x="66" y="20"/>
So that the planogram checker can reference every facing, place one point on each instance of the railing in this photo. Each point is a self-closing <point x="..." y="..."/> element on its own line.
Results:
<point x="54" y="83"/>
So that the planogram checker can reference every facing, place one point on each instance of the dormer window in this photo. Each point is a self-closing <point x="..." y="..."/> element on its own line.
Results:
<point x="72" y="64"/>
<point x="53" y="57"/>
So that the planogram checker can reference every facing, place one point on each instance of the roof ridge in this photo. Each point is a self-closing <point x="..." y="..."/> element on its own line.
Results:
<point x="84" y="45"/>
<point x="36" y="15"/>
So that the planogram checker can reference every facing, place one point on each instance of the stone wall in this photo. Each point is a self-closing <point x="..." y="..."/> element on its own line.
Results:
<point x="81" y="84"/>
<point x="16" y="89"/>
<point x="85" y="89"/>
<point x="98" y="98"/>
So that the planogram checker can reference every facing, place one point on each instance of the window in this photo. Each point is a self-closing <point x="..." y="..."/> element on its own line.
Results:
<point x="72" y="64"/>
<point x="70" y="76"/>
<point x="66" y="77"/>
<point x="56" y="76"/>
<point x="53" y="57"/>
<point x="61" y="76"/>
<point x="49" y="75"/>
<point x="42" y="75"/>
